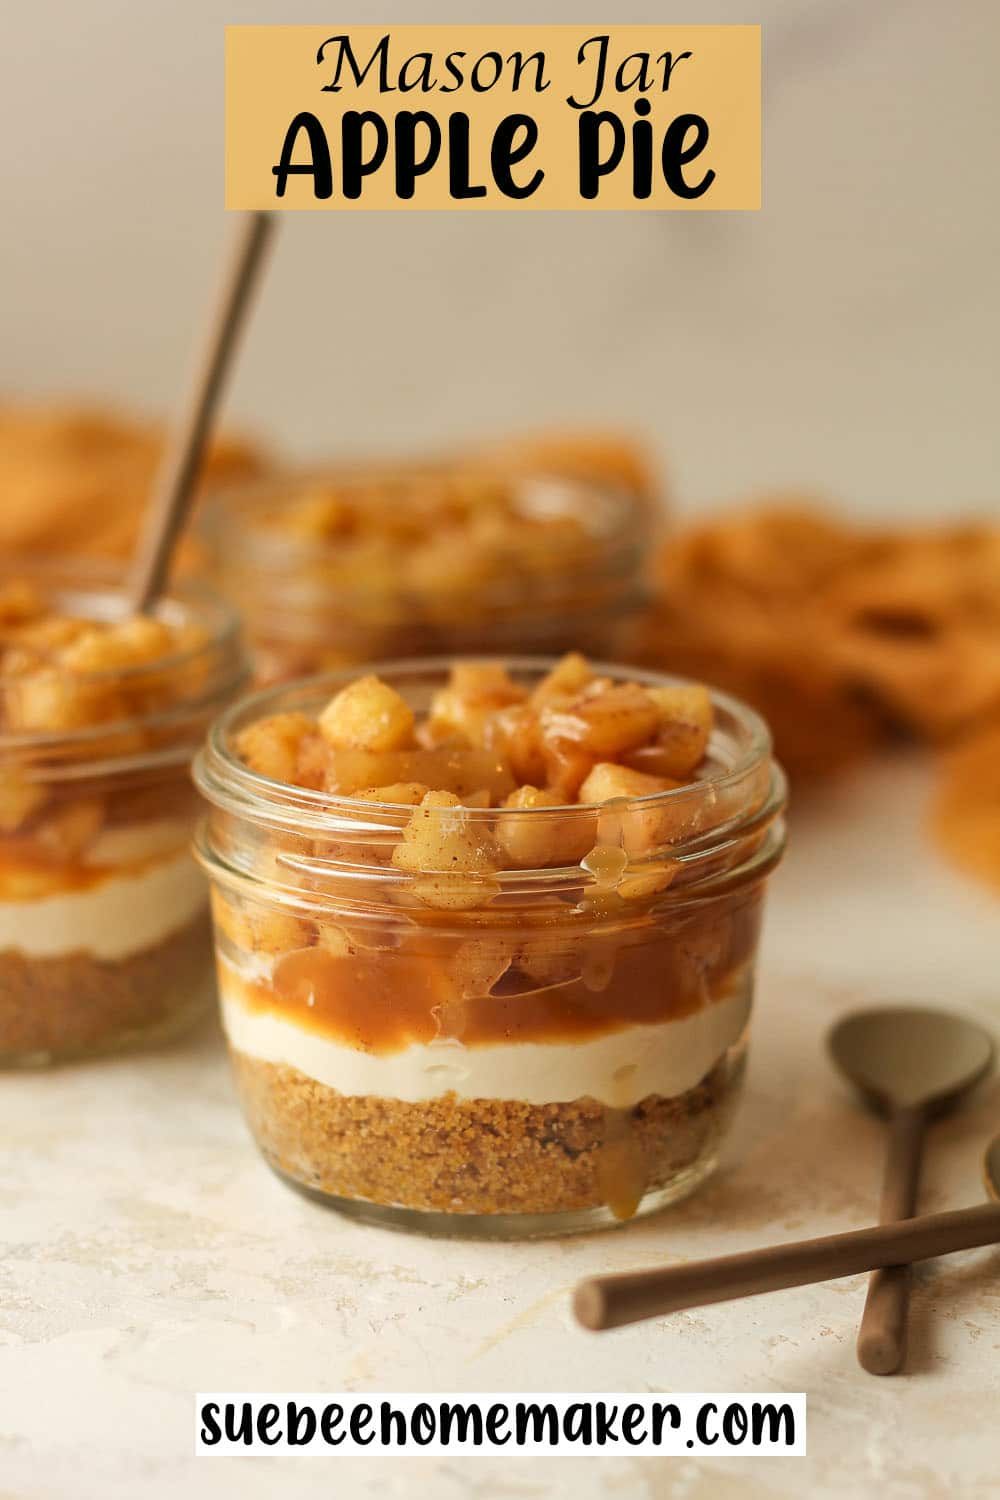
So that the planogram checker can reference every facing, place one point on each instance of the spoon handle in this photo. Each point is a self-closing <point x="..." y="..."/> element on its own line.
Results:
<point x="610" y="1301"/>
<point x="882" y="1335"/>
<point x="180" y="465"/>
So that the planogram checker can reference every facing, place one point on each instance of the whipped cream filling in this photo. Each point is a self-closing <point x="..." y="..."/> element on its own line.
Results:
<point x="618" y="1069"/>
<point x="121" y="915"/>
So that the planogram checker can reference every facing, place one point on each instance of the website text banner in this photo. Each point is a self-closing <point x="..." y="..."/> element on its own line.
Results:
<point x="234" y="1425"/>
<point x="483" y="117"/>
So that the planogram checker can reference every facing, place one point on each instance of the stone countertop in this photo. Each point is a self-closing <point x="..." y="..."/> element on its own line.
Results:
<point x="148" y="1254"/>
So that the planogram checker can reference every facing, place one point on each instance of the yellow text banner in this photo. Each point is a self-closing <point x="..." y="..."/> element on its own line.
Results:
<point x="493" y="117"/>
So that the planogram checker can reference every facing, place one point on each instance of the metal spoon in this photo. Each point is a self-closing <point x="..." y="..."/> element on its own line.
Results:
<point x="911" y="1065"/>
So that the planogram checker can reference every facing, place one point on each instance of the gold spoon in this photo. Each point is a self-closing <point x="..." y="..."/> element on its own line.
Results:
<point x="911" y="1065"/>
<point x="612" y="1301"/>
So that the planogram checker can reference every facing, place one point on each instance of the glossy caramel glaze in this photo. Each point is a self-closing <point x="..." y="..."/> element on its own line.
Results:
<point x="501" y="988"/>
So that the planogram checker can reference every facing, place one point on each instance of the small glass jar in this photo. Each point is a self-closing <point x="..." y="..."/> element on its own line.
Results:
<point x="439" y="567"/>
<point x="554" y="1044"/>
<point x="105" y="938"/>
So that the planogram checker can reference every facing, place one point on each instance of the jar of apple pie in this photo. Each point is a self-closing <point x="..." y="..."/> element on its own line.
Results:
<point x="332" y="569"/>
<point x="486" y="933"/>
<point x="104" y="929"/>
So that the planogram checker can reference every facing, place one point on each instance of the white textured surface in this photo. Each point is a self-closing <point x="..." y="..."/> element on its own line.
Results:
<point x="148" y="1253"/>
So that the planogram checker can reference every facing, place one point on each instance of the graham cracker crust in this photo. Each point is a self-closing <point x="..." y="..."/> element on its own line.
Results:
<point x="481" y="1156"/>
<point x="53" y="1009"/>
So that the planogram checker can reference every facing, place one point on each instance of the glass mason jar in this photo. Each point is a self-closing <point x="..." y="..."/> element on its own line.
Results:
<point x="445" y="560"/>
<point x="105" y="938"/>
<point x="555" y="1045"/>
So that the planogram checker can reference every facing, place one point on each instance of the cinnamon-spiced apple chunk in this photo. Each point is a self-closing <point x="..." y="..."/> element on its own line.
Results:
<point x="486" y="932"/>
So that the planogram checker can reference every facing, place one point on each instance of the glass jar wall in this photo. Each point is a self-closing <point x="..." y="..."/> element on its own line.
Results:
<point x="550" y="1037"/>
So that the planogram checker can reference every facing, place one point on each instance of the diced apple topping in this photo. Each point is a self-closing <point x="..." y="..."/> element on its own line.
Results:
<point x="466" y="707"/>
<point x="527" y="840"/>
<point x="60" y="673"/>
<point x="515" y="733"/>
<point x="311" y="760"/>
<point x="440" y="836"/>
<point x="272" y="746"/>
<point x="458" y="771"/>
<point x="603" y="724"/>
<point x="568" y="677"/>
<point x="644" y="828"/>
<point x="400" y="793"/>
<point x="485" y="682"/>
<point x="486" y="744"/>
<point x="78" y="692"/>
<point x="50" y="701"/>
<point x="685" y="726"/>
<point x="441" y="844"/>
<point x="534" y="842"/>
<point x="117" y="648"/>
<point x="367" y="715"/>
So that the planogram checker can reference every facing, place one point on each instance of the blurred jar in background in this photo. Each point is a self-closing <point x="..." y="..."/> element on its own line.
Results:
<point x="104" y="930"/>
<point x="538" y="547"/>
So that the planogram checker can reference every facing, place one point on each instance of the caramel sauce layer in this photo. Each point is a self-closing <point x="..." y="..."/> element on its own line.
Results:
<point x="26" y="874"/>
<point x="382" y="1002"/>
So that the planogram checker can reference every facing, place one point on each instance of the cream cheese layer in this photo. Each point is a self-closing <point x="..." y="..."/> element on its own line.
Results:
<point x="120" y="915"/>
<point x="617" y="1069"/>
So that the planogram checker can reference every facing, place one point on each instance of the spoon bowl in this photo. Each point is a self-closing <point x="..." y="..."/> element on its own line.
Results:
<point x="911" y="1065"/>
<point x="909" y="1057"/>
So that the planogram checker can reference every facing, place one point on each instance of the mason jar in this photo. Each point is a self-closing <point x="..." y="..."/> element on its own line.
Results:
<point x="554" y="1043"/>
<point x="105" y="937"/>
<point x="333" y="569"/>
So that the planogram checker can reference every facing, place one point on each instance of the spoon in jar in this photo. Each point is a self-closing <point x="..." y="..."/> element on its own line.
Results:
<point x="911" y="1065"/>
<point x="612" y="1301"/>
<point x="176" y="480"/>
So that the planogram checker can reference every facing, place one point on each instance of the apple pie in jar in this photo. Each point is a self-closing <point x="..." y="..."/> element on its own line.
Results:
<point x="486" y="934"/>
<point x="104" y="928"/>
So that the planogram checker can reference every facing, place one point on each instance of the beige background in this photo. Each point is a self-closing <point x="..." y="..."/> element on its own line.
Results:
<point x="844" y="338"/>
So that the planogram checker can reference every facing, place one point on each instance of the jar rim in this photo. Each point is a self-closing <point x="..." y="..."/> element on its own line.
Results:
<point x="99" y="584"/>
<point x="218" y="764"/>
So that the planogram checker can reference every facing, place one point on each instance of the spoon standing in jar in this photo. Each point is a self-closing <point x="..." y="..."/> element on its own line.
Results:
<point x="911" y="1065"/>
<point x="180" y="466"/>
